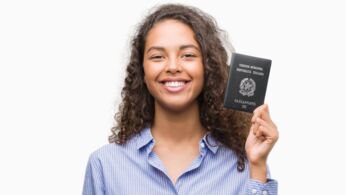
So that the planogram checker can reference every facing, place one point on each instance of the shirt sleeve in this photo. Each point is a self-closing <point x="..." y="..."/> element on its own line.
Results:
<point x="93" y="181"/>
<point x="257" y="188"/>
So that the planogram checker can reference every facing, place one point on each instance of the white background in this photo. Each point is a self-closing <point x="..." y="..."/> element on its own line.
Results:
<point x="62" y="67"/>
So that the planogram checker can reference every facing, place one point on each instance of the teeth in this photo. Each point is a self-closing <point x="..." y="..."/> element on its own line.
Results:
<point x="174" y="83"/>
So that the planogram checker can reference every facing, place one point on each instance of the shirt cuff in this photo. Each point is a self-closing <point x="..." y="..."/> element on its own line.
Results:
<point x="257" y="188"/>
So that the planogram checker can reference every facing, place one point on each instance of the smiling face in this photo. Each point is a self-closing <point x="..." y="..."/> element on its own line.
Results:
<point x="173" y="68"/>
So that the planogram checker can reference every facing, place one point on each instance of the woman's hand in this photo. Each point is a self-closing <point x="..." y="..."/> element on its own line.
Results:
<point x="261" y="139"/>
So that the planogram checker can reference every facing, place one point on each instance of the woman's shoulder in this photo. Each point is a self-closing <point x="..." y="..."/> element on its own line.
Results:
<point x="104" y="152"/>
<point x="114" y="150"/>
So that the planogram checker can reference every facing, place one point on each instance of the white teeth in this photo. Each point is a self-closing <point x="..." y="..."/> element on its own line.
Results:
<point x="174" y="83"/>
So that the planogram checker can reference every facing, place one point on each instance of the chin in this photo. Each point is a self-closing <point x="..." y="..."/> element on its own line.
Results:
<point x="177" y="106"/>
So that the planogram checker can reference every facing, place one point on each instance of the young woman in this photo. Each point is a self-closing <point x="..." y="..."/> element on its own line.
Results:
<point x="173" y="135"/>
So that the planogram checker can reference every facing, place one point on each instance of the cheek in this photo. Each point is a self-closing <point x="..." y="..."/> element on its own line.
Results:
<point x="200" y="76"/>
<point x="150" y="75"/>
<point x="197" y="71"/>
<point x="146" y="69"/>
<point x="148" y="80"/>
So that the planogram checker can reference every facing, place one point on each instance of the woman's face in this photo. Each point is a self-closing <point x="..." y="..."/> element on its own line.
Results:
<point x="173" y="67"/>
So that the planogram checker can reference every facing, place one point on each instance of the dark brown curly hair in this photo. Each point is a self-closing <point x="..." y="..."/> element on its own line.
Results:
<point x="137" y="108"/>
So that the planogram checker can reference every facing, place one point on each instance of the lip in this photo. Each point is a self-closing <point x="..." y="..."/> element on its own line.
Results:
<point x="174" y="89"/>
<point x="174" y="79"/>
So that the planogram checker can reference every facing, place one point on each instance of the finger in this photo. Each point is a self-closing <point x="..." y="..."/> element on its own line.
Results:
<point x="265" y="112"/>
<point x="262" y="112"/>
<point x="260" y="134"/>
<point x="254" y="128"/>
<point x="268" y="131"/>
<point x="263" y="130"/>
<point x="256" y="113"/>
<point x="264" y="123"/>
<point x="270" y="125"/>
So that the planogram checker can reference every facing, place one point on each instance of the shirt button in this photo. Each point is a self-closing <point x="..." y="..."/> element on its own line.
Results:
<point x="254" y="191"/>
<point x="202" y="145"/>
<point x="264" y="192"/>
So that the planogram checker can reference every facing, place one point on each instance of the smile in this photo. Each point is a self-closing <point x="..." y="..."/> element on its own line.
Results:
<point x="174" y="86"/>
<point x="174" y="83"/>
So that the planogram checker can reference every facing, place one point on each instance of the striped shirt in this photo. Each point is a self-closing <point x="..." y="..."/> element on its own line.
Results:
<point x="135" y="169"/>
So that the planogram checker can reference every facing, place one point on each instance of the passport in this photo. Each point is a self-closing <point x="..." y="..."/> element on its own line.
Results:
<point x="247" y="82"/>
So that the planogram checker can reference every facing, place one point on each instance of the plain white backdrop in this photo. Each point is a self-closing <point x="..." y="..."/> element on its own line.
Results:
<point x="62" y="66"/>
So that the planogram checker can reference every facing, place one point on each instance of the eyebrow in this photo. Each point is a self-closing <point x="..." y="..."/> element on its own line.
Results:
<point x="180" y="48"/>
<point x="188" y="46"/>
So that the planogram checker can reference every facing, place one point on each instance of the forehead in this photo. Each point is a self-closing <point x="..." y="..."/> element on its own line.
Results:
<point x="170" y="33"/>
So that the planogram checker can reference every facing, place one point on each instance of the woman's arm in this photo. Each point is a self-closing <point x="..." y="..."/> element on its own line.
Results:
<point x="261" y="139"/>
<point x="93" y="182"/>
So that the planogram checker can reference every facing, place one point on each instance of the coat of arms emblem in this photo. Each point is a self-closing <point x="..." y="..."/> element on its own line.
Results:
<point x="247" y="87"/>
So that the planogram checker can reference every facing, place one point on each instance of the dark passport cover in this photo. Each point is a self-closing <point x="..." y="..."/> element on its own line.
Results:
<point x="247" y="82"/>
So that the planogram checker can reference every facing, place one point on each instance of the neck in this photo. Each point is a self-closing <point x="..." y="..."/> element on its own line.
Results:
<point x="177" y="127"/>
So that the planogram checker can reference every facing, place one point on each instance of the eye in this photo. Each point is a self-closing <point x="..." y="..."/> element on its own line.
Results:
<point x="156" y="58"/>
<point x="189" y="56"/>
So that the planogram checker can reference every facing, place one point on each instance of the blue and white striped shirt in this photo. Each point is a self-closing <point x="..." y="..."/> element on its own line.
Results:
<point x="134" y="169"/>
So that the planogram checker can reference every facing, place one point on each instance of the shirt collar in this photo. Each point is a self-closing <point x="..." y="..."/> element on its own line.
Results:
<point x="145" y="137"/>
<point x="211" y="142"/>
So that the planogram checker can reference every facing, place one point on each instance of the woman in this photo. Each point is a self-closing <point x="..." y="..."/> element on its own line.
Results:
<point x="173" y="135"/>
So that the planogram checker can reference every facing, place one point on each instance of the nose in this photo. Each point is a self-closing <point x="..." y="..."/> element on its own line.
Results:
<point x="173" y="66"/>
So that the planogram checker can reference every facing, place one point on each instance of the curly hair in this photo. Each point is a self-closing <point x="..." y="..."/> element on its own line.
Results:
<point x="136" y="110"/>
